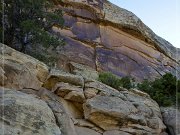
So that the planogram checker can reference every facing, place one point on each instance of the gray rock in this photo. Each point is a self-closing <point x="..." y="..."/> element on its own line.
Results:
<point x="69" y="92"/>
<point x="18" y="70"/>
<point x="108" y="112"/>
<point x="115" y="132"/>
<point x="56" y="76"/>
<point x="22" y="114"/>
<point x="86" y="131"/>
<point x="62" y="118"/>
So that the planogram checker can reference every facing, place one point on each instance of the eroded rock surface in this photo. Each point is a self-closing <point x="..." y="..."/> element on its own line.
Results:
<point x="109" y="38"/>
<point x="23" y="114"/>
<point x="68" y="104"/>
<point x="128" y="111"/>
<point x="18" y="71"/>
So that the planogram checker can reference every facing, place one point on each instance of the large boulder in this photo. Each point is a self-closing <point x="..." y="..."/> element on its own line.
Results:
<point x="18" y="70"/>
<point x="108" y="112"/>
<point x="23" y="114"/>
<point x="129" y="111"/>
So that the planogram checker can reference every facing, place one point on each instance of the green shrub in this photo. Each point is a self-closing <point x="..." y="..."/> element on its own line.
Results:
<point x="126" y="82"/>
<point x="162" y="90"/>
<point x="109" y="79"/>
<point x="115" y="81"/>
<point x="145" y="86"/>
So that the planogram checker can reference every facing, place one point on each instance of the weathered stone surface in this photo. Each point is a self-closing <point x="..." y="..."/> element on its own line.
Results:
<point x="87" y="124"/>
<point x="63" y="118"/>
<point x="111" y="109"/>
<point x="90" y="92"/>
<point x="25" y="114"/>
<point x="99" y="88"/>
<point x="69" y="92"/>
<point x="83" y="70"/>
<point x="73" y="111"/>
<point x="115" y="132"/>
<point x="109" y="38"/>
<point x="131" y="22"/>
<point x="171" y="117"/>
<point x="56" y="76"/>
<point x="19" y="71"/>
<point x="85" y="131"/>
<point x="93" y="107"/>
<point x="108" y="112"/>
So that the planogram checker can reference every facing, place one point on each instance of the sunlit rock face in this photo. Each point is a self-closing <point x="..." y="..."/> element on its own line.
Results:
<point x="54" y="102"/>
<point x="109" y="38"/>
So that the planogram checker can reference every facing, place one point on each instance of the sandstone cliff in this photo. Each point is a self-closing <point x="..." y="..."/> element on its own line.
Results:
<point x="109" y="38"/>
<point x="38" y="100"/>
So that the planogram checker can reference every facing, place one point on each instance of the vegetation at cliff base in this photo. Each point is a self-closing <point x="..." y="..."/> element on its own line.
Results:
<point x="115" y="81"/>
<point x="162" y="90"/>
<point x="30" y="22"/>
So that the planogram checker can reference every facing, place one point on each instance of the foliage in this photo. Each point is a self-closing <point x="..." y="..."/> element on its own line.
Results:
<point x="109" y="79"/>
<point x="30" y="22"/>
<point x="114" y="81"/>
<point x="162" y="90"/>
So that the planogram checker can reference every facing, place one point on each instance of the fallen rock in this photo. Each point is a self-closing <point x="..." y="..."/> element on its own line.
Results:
<point x="56" y="76"/>
<point x="25" y="114"/>
<point x="69" y="92"/>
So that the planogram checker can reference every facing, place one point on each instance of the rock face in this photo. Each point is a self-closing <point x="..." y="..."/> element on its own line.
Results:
<point x="19" y="71"/>
<point x="109" y="38"/>
<point x="68" y="104"/>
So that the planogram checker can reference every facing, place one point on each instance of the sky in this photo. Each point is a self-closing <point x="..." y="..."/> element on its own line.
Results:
<point x="162" y="16"/>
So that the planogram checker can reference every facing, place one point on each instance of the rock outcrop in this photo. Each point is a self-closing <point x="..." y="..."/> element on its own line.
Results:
<point x="19" y="71"/>
<point x="23" y="114"/>
<point x="106" y="37"/>
<point x="69" y="104"/>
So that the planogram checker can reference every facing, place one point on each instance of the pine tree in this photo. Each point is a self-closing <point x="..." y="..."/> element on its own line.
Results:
<point x="30" y="21"/>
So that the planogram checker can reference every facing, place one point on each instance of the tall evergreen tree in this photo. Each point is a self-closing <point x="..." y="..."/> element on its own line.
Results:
<point x="29" y="21"/>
